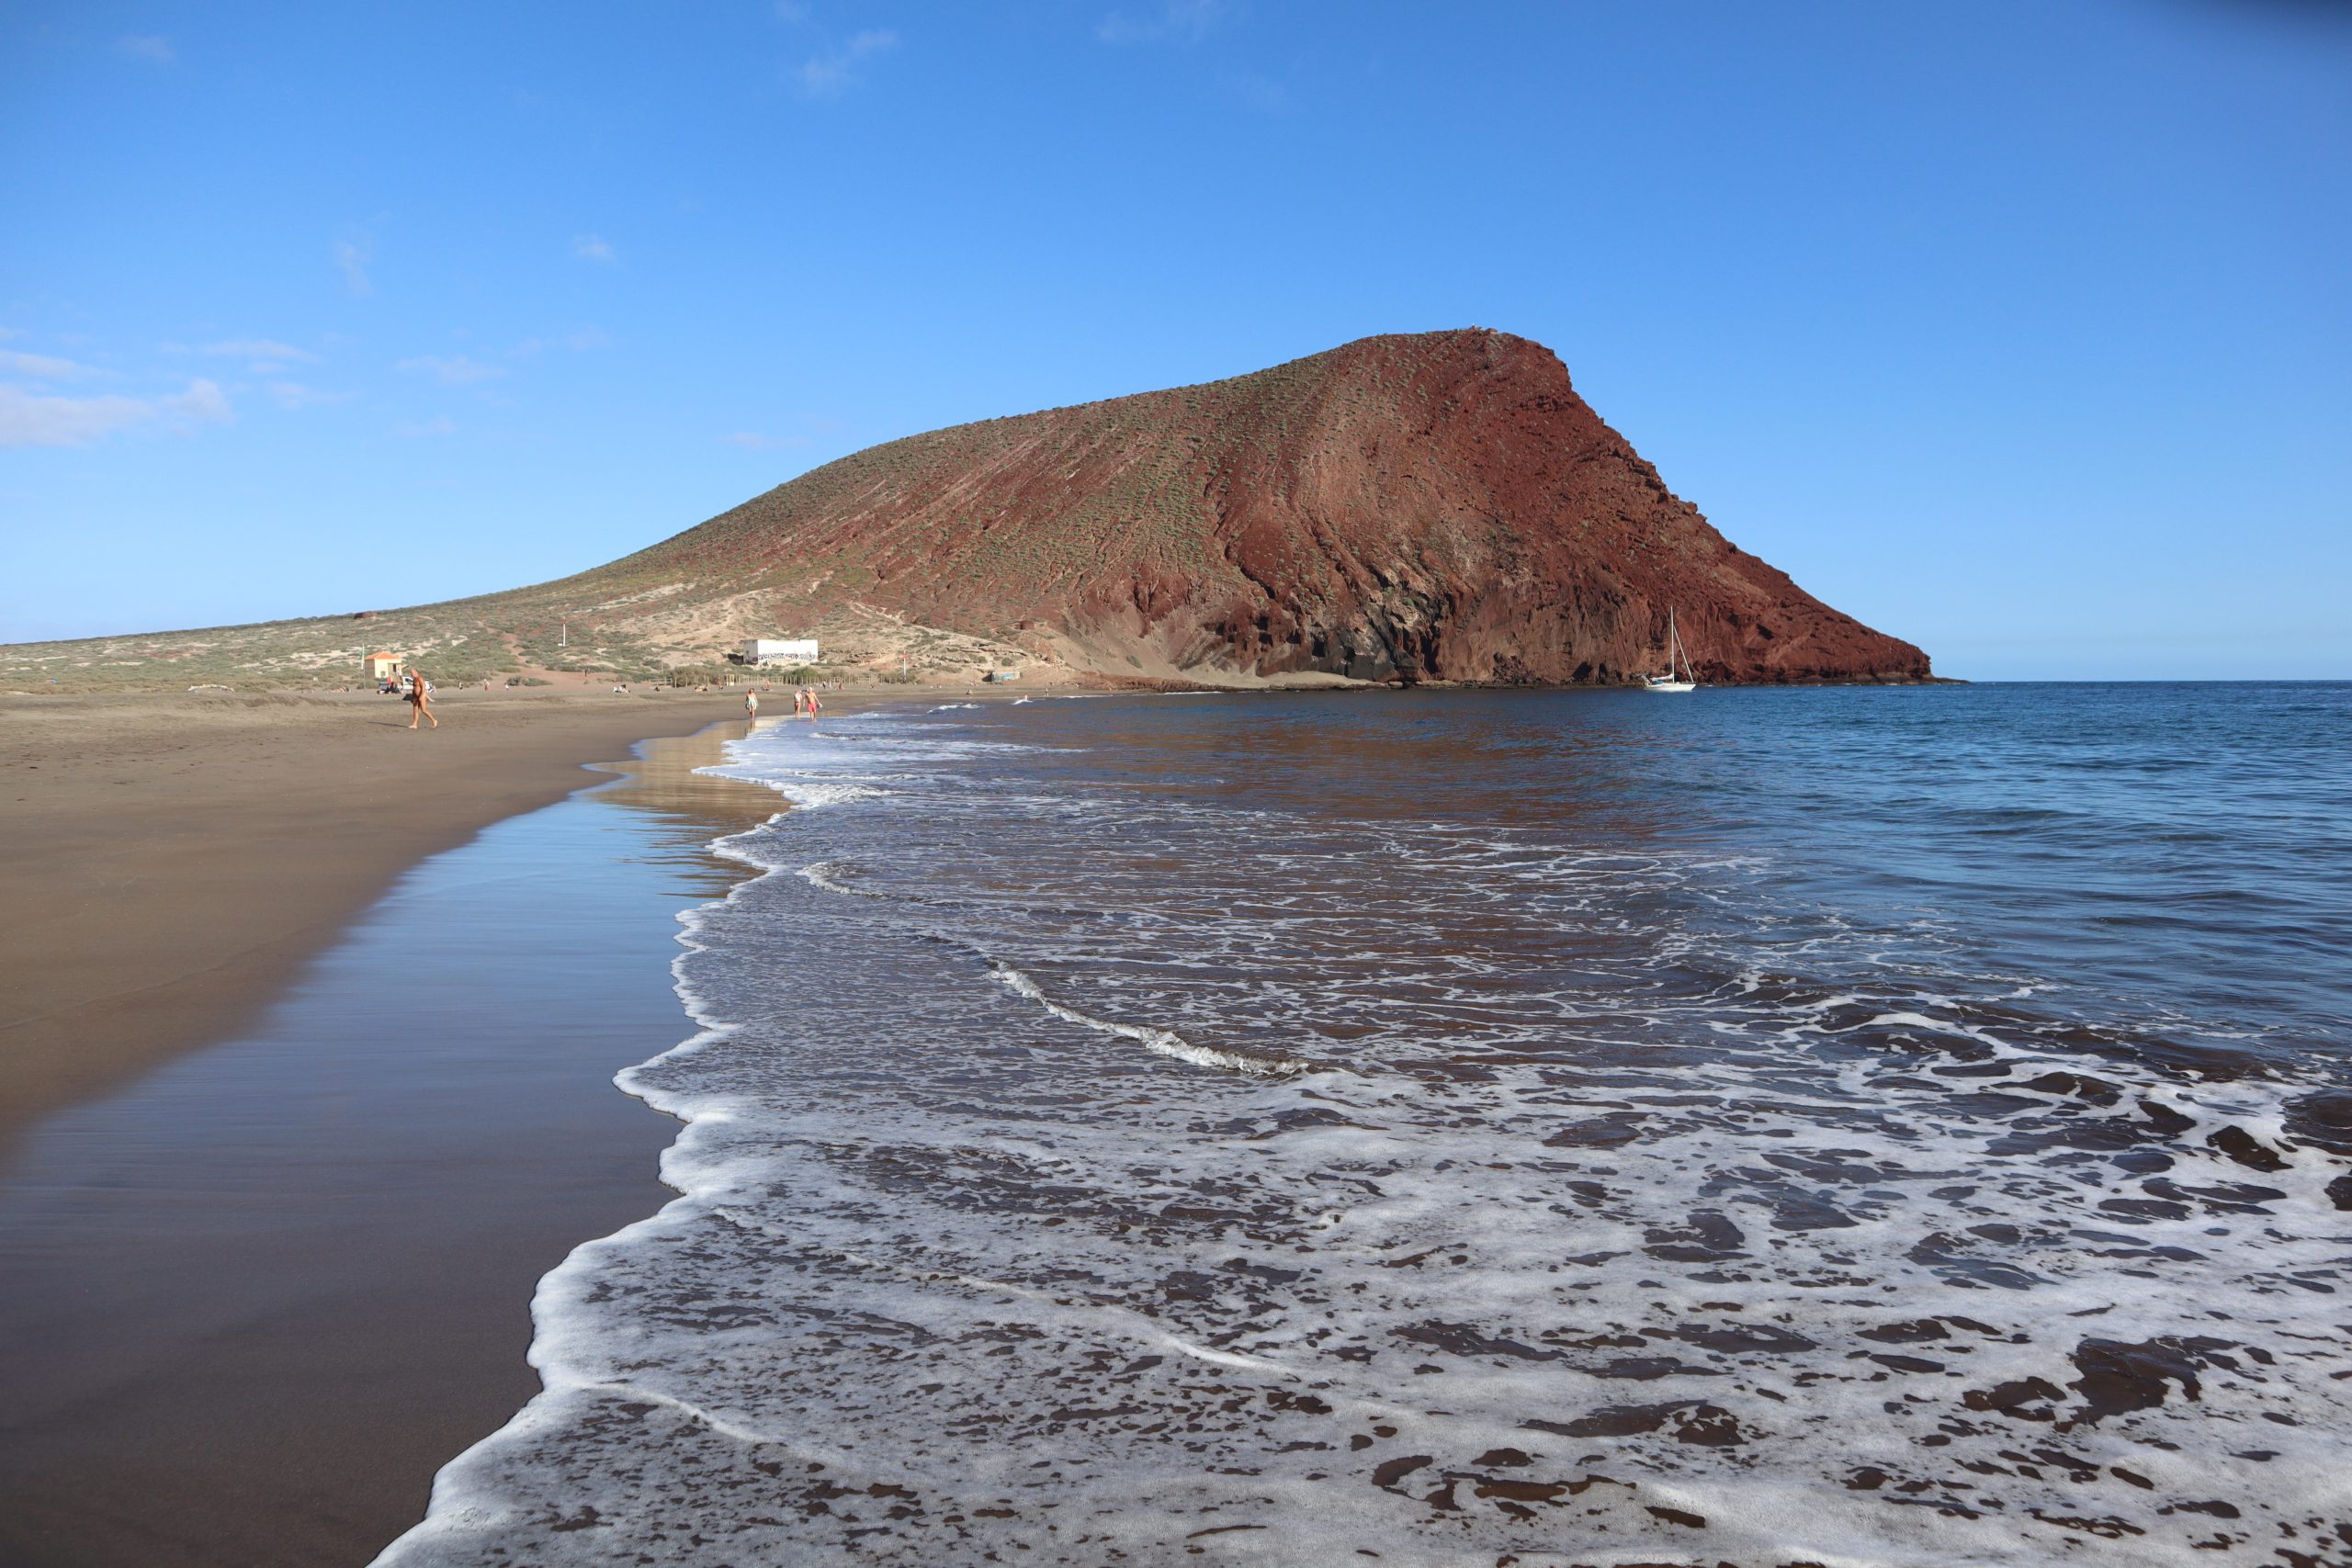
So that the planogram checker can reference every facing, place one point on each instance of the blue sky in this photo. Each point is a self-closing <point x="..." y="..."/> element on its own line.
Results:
<point x="2018" y="330"/>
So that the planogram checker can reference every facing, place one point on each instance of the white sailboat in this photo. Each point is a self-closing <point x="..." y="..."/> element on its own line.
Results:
<point x="1676" y="658"/>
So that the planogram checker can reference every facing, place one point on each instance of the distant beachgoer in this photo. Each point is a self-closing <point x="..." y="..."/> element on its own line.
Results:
<point x="419" y="699"/>
<point x="751" y="706"/>
<point x="814" y="705"/>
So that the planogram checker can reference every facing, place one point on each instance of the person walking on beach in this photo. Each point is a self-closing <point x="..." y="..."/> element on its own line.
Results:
<point x="751" y="706"/>
<point x="420" y="697"/>
<point x="814" y="705"/>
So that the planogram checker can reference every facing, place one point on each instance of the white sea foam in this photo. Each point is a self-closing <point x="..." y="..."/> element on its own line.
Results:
<point x="1164" y="1042"/>
<point x="822" y="874"/>
<point x="1614" y="1243"/>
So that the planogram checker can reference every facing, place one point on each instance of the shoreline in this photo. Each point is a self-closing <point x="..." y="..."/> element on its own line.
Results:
<point x="177" y="857"/>
<point x="252" y="1302"/>
<point x="174" y="862"/>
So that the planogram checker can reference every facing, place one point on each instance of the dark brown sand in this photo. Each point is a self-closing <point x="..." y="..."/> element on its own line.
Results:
<point x="169" y="862"/>
<point x="249" y="1304"/>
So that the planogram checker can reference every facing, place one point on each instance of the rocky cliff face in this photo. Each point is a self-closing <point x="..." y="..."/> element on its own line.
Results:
<point x="1437" y="506"/>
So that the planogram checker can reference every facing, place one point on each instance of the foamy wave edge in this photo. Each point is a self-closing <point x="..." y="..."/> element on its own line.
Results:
<point x="1161" y="1041"/>
<point x="467" y="1500"/>
<point x="825" y="876"/>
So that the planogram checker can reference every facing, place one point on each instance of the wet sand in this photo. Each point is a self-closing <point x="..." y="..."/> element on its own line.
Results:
<point x="171" y="861"/>
<point x="252" y="1302"/>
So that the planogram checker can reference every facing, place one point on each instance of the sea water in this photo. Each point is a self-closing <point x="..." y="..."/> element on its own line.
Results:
<point x="1836" y="1126"/>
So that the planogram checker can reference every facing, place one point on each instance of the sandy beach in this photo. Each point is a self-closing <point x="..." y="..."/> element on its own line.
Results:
<point x="171" y="860"/>
<point x="255" y="1295"/>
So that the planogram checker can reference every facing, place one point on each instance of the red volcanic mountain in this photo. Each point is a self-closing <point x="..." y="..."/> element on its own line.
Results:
<point x="1440" y="507"/>
<point x="1437" y="506"/>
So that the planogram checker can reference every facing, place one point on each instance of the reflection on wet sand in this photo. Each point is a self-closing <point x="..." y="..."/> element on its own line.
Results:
<point x="663" y="783"/>
<point x="250" y="1305"/>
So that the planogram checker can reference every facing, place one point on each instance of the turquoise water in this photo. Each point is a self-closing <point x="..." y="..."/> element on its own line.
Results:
<point x="1870" y="1126"/>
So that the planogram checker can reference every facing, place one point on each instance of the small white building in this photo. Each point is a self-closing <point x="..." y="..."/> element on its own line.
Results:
<point x="779" y="651"/>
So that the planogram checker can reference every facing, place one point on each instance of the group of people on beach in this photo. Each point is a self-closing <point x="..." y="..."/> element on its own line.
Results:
<point x="418" y="691"/>
<point x="805" y="703"/>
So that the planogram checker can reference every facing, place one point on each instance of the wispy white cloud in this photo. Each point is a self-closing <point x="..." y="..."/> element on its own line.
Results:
<point x="455" y="371"/>
<point x="32" y="419"/>
<point x="831" y="74"/>
<point x="354" y="254"/>
<point x="1176" y="21"/>
<point x="594" y="248"/>
<point x="417" y="430"/>
<point x="259" y="348"/>
<point x="266" y="356"/>
<point x="297" y="395"/>
<point x="580" y="340"/>
<point x="757" y="442"/>
<point x="152" y="48"/>
<point x="203" y="401"/>
<point x="46" y="367"/>
<point x="29" y="419"/>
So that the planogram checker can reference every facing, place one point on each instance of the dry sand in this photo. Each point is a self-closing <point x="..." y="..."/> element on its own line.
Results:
<point x="169" y="861"/>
